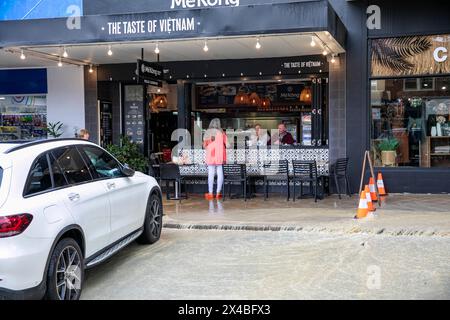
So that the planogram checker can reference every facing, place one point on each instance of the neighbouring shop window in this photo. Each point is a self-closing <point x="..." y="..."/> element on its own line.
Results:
<point x="411" y="122"/>
<point x="23" y="117"/>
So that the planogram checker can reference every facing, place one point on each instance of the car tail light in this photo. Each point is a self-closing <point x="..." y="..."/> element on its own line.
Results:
<point x="11" y="226"/>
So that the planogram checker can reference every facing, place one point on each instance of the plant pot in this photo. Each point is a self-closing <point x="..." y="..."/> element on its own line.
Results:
<point x="388" y="158"/>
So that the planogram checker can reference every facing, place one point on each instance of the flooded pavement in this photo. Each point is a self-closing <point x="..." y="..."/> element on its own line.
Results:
<point x="208" y="264"/>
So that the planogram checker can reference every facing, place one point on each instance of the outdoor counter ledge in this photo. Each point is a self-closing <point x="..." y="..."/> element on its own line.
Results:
<point x="255" y="158"/>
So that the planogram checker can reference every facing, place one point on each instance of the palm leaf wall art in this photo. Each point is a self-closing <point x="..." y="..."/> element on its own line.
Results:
<point x="397" y="55"/>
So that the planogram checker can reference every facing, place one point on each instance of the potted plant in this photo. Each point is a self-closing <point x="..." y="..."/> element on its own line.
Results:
<point x="54" y="129"/>
<point x="388" y="148"/>
<point x="130" y="154"/>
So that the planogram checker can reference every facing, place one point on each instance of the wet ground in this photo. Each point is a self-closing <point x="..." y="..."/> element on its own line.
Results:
<point x="208" y="264"/>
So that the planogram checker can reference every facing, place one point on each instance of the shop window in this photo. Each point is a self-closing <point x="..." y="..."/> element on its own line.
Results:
<point x="23" y="117"/>
<point x="411" y="122"/>
<point x="418" y="84"/>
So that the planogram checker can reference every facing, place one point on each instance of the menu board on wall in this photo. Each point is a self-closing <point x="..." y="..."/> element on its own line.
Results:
<point x="134" y="114"/>
<point x="223" y="96"/>
<point x="105" y="123"/>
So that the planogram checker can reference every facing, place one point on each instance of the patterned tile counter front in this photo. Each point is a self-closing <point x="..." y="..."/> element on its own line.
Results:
<point x="254" y="159"/>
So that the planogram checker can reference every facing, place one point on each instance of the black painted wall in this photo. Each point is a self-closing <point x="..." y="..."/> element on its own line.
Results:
<point x="398" y="18"/>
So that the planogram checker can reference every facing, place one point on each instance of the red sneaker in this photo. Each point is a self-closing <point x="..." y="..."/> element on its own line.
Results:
<point x="219" y="196"/>
<point x="209" y="196"/>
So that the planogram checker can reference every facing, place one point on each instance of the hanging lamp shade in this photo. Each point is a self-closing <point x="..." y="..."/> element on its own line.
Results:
<point x="266" y="103"/>
<point x="255" y="100"/>
<point x="241" y="98"/>
<point x="306" y="95"/>
<point x="159" y="102"/>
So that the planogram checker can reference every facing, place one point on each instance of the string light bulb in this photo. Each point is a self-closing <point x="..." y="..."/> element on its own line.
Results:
<point x="110" y="53"/>
<point x="313" y="43"/>
<point x="333" y="58"/>
<point x="157" y="51"/>
<point x="90" y="69"/>
<point x="60" y="62"/>
<point x="205" y="48"/>
<point x="65" y="54"/>
<point x="22" y="55"/>
<point x="325" y="52"/>
<point x="258" y="44"/>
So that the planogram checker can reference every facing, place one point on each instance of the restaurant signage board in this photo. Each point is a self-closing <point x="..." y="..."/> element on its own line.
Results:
<point x="410" y="56"/>
<point x="150" y="73"/>
<point x="171" y="24"/>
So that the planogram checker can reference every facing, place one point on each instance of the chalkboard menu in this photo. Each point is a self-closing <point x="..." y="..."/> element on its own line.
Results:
<point x="209" y="96"/>
<point x="134" y="117"/>
<point x="105" y="123"/>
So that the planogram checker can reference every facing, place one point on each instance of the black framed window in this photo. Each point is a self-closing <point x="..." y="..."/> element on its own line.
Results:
<point x="72" y="165"/>
<point x="411" y="122"/>
<point x="39" y="177"/>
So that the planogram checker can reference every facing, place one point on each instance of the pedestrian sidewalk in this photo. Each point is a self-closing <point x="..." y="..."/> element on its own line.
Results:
<point x="399" y="215"/>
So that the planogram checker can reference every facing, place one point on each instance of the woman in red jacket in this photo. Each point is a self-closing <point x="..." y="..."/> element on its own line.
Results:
<point x="215" y="142"/>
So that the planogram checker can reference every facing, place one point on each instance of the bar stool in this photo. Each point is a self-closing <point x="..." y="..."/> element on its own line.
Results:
<point x="305" y="171"/>
<point x="235" y="173"/>
<point x="171" y="172"/>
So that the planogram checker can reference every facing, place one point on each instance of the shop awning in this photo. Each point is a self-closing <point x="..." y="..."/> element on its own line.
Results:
<point x="272" y="18"/>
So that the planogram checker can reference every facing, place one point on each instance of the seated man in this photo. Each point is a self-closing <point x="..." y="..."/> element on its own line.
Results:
<point x="284" y="137"/>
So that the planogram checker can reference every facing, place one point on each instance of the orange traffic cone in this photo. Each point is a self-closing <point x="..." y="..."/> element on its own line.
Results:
<point x="362" y="208"/>
<point x="380" y="185"/>
<point x="373" y="191"/>
<point x="370" y="205"/>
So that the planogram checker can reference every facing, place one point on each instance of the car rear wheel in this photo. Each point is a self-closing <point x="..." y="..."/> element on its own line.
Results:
<point x="66" y="271"/>
<point x="153" y="221"/>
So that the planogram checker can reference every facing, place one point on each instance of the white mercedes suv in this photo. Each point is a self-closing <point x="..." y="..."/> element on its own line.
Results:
<point x="67" y="205"/>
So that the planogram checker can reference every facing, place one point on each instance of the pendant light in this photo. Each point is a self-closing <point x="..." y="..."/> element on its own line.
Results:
<point x="266" y="102"/>
<point x="60" y="62"/>
<point x="110" y="53"/>
<point x="313" y="43"/>
<point x="205" y="48"/>
<point x="65" y="54"/>
<point x="255" y="100"/>
<point x="305" y="95"/>
<point x="157" y="51"/>
<point x="22" y="55"/>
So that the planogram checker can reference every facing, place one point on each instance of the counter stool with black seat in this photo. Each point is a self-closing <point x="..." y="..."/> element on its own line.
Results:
<point x="305" y="172"/>
<point x="171" y="172"/>
<point x="276" y="172"/>
<point x="338" y="171"/>
<point x="235" y="173"/>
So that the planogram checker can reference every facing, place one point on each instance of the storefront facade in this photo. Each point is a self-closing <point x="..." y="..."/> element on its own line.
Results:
<point x="372" y="91"/>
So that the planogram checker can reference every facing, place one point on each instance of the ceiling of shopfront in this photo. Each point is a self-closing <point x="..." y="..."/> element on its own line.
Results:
<point x="183" y="50"/>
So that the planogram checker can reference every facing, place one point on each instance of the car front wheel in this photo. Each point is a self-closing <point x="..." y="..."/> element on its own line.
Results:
<point x="66" y="271"/>
<point x="153" y="221"/>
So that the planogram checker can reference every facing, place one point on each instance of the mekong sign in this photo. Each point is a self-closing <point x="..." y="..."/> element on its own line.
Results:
<point x="203" y="3"/>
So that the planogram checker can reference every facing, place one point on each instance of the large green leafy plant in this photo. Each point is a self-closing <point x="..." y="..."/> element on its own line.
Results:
<point x="388" y="145"/>
<point x="55" y="129"/>
<point x="129" y="153"/>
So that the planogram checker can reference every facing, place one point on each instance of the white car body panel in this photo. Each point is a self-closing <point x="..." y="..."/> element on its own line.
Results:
<point x="103" y="215"/>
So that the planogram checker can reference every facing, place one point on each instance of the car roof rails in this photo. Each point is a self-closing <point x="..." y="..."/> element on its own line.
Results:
<point x="38" y="142"/>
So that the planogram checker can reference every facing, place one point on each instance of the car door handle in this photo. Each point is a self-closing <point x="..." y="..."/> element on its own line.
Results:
<point x="111" y="185"/>
<point x="74" y="197"/>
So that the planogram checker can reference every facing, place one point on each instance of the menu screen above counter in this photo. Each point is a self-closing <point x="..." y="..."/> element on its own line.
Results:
<point x="252" y="94"/>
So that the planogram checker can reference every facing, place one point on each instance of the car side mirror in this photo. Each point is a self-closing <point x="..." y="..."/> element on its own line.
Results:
<point x="127" y="171"/>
